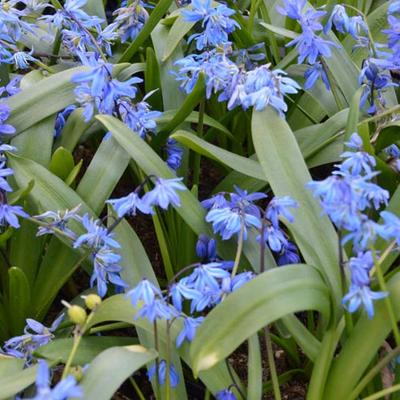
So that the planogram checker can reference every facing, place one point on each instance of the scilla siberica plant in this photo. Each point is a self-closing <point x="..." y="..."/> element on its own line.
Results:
<point x="208" y="174"/>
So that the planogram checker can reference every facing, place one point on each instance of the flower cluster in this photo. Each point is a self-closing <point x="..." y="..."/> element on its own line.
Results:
<point x="236" y="215"/>
<point x="233" y="75"/>
<point x="215" y="21"/>
<point x="346" y="197"/>
<point x="97" y="239"/>
<point x="375" y="72"/>
<point x="65" y="389"/>
<point x="309" y="44"/>
<point x="8" y="213"/>
<point x="12" y="26"/>
<point x="35" y="335"/>
<point x="98" y="91"/>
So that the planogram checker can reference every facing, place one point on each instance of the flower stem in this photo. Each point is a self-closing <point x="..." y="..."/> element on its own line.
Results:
<point x="383" y="393"/>
<point x="137" y="389"/>
<point x="238" y="251"/>
<point x="197" y="157"/>
<point x="271" y="364"/>
<point x="78" y="334"/>
<point x="168" y="362"/>
<point x="373" y="372"/>
<point x="388" y="302"/>
<point x="158" y="393"/>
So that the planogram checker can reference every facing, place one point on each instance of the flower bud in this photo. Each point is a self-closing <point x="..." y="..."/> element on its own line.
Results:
<point x="76" y="372"/>
<point x="77" y="315"/>
<point x="92" y="301"/>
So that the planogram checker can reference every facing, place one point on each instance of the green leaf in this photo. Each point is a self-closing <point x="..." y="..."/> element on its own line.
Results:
<point x="62" y="163"/>
<point x="118" y="308"/>
<point x="104" y="171"/>
<point x="191" y="101"/>
<point x="389" y="134"/>
<point x="280" y="31"/>
<point x="73" y="130"/>
<point x="254" y="370"/>
<point x="42" y="99"/>
<point x="361" y="346"/>
<point x="49" y="193"/>
<point x="14" y="381"/>
<point x="36" y="142"/>
<point x="156" y="15"/>
<point x="288" y="176"/>
<point x="241" y="164"/>
<point x="193" y="117"/>
<point x="190" y="210"/>
<point x="19" y="299"/>
<point x="175" y="35"/>
<point x="111" y="368"/>
<point x="268" y="297"/>
<point x="152" y="79"/>
<point x="89" y="347"/>
<point x="354" y="114"/>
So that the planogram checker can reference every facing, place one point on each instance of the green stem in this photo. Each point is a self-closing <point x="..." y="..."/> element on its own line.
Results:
<point x="79" y="332"/>
<point x="271" y="364"/>
<point x="197" y="157"/>
<point x="253" y="9"/>
<point x="207" y="395"/>
<point x="333" y="85"/>
<point x="110" y="327"/>
<point x="387" y="300"/>
<point x="168" y="362"/>
<point x="238" y="251"/>
<point x="383" y="393"/>
<point x="137" y="389"/>
<point x="158" y="393"/>
<point x="373" y="372"/>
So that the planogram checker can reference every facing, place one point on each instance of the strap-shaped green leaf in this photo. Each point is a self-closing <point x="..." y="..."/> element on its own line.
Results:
<point x="287" y="174"/>
<point x="111" y="368"/>
<point x="270" y="296"/>
<point x="362" y="346"/>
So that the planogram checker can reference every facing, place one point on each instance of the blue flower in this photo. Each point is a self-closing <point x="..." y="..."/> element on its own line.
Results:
<point x="339" y="19"/>
<point x="97" y="235"/>
<point x="360" y="268"/>
<point x="357" y="163"/>
<point x="144" y="291"/>
<point x="215" y="21"/>
<point x="288" y="255"/>
<point x="9" y="215"/>
<point x="158" y="309"/>
<point x="225" y="394"/>
<point x="5" y="129"/>
<point x="216" y="201"/>
<point x="106" y="269"/>
<point x="129" y="205"/>
<point x="315" y="72"/>
<point x="12" y="87"/>
<point x="162" y="373"/>
<point x="4" y="172"/>
<point x="189" y="329"/>
<point x="35" y="335"/>
<point x="275" y="238"/>
<point x="362" y="295"/>
<point x="130" y="20"/>
<point x="279" y="206"/>
<point x="292" y="8"/>
<point x="181" y="291"/>
<point x="61" y="119"/>
<point x="139" y="116"/>
<point x="206" y="248"/>
<point x="229" y="221"/>
<point x="394" y="7"/>
<point x="21" y="59"/>
<point x="65" y="389"/>
<point x="391" y="226"/>
<point x="164" y="193"/>
<point x="174" y="154"/>
<point x="58" y="220"/>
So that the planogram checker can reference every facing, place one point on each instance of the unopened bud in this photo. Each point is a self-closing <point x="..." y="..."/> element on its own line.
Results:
<point x="92" y="301"/>
<point x="77" y="315"/>
<point x="76" y="372"/>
